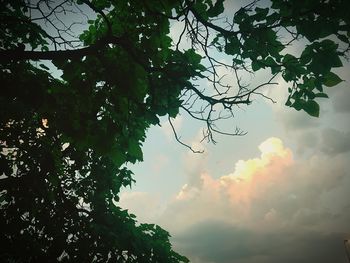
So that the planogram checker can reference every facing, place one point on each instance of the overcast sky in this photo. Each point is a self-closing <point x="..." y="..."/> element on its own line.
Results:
<point x="281" y="193"/>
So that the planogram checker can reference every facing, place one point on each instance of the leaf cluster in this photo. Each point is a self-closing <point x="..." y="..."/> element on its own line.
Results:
<point x="66" y="138"/>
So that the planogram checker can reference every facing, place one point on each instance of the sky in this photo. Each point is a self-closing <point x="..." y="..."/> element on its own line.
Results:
<point x="281" y="193"/>
<point x="278" y="194"/>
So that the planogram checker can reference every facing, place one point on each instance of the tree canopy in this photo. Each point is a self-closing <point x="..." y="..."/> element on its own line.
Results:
<point x="82" y="81"/>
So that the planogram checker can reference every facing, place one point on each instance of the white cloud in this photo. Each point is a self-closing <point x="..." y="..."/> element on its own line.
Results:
<point x="272" y="208"/>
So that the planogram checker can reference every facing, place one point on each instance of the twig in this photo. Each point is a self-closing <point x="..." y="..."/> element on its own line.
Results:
<point x="178" y="139"/>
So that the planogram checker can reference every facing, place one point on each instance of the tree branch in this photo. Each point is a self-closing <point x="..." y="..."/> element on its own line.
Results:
<point x="178" y="139"/>
<point x="224" y="101"/>
<point x="17" y="54"/>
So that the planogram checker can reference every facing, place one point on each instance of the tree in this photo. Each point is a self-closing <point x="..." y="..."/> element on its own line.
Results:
<point x="66" y="137"/>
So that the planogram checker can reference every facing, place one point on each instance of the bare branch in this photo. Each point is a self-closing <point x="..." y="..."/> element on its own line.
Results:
<point x="178" y="139"/>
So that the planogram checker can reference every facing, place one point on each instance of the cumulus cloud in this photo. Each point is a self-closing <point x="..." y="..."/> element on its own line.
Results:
<point x="233" y="196"/>
<point x="271" y="208"/>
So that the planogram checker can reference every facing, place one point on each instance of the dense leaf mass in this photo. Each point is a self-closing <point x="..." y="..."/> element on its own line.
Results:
<point x="77" y="98"/>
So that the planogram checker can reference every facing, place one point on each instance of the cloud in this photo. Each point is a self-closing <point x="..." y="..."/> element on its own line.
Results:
<point x="291" y="119"/>
<point x="233" y="196"/>
<point x="271" y="208"/>
<point x="341" y="100"/>
<point x="311" y="135"/>
<point x="340" y="94"/>
<point x="335" y="142"/>
<point x="307" y="140"/>
<point x="215" y="241"/>
<point x="328" y="141"/>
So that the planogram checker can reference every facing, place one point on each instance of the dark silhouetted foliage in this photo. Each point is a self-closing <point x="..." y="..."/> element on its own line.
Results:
<point x="82" y="81"/>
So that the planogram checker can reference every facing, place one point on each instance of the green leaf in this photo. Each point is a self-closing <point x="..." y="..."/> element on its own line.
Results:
<point x="312" y="108"/>
<point x="240" y="15"/>
<point x="217" y="9"/>
<point x="298" y="103"/>
<point x="261" y="13"/>
<point x="118" y="157"/>
<point x="306" y="55"/>
<point x="193" y="57"/>
<point x="289" y="59"/>
<point x="331" y="79"/>
<point x="288" y="102"/>
<point x="232" y="47"/>
<point x="173" y="111"/>
<point x="152" y="118"/>
<point x="271" y="19"/>
<point x="270" y="62"/>
<point x="307" y="29"/>
<point x="321" y="95"/>
<point x="201" y="9"/>
<point x="256" y="65"/>
<point x="134" y="150"/>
